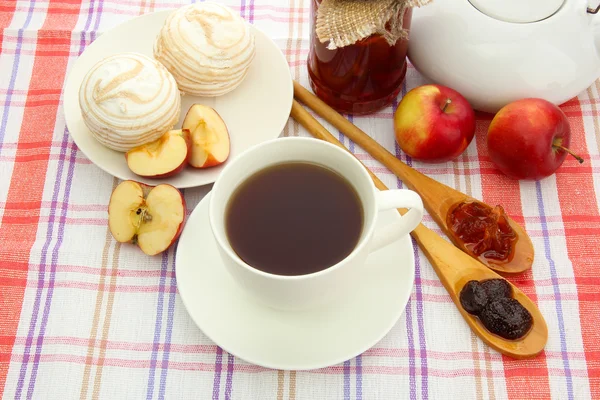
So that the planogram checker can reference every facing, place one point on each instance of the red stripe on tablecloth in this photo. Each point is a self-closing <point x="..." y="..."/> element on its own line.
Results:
<point x="57" y="38"/>
<point x="120" y="362"/>
<point x="188" y="349"/>
<point x="530" y="379"/>
<point x="16" y="239"/>
<point x="64" y="7"/>
<point x="7" y="10"/>
<point x="577" y="195"/>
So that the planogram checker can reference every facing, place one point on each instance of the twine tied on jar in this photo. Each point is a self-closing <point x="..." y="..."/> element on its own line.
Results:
<point x="344" y="22"/>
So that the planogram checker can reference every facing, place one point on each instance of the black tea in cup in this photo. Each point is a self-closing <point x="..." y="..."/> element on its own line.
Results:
<point x="294" y="218"/>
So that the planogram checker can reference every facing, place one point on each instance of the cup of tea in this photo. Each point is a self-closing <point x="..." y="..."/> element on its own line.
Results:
<point x="295" y="219"/>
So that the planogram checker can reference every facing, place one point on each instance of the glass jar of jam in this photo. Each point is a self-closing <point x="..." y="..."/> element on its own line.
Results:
<point x="360" y="78"/>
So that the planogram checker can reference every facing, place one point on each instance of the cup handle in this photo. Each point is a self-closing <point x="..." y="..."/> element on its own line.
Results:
<point x="397" y="198"/>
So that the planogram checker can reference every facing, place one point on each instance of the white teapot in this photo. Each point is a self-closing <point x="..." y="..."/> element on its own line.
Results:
<point x="497" y="51"/>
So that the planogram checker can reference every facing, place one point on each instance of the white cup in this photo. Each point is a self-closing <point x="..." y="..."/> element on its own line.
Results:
<point x="315" y="289"/>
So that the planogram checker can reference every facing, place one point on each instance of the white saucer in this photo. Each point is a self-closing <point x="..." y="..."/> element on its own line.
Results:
<point x="256" y="111"/>
<point x="290" y="340"/>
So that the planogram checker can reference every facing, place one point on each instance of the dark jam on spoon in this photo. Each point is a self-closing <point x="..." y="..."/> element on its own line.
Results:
<point x="483" y="230"/>
<point x="491" y="301"/>
<point x="506" y="317"/>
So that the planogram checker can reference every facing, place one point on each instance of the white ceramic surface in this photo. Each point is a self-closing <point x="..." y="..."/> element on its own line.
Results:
<point x="319" y="288"/>
<point x="493" y="62"/>
<point x="283" y="339"/>
<point x="254" y="112"/>
<point x="520" y="11"/>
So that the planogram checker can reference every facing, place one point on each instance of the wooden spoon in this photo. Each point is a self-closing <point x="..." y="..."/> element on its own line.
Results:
<point x="453" y="267"/>
<point x="437" y="197"/>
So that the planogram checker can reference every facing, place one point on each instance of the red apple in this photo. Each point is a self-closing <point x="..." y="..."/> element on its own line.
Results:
<point x="164" y="157"/>
<point x="434" y="123"/>
<point x="151" y="217"/>
<point x="529" y="139"/>
<point x="210" y="137"/>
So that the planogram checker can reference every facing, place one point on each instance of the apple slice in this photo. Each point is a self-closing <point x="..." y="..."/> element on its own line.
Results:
<point x="150" y="216"/>
<point x="164" y="157"/>
<point x="210" y="136"/>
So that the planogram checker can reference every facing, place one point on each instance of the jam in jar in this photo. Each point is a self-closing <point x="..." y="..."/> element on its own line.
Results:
<point x="360" y="78"/>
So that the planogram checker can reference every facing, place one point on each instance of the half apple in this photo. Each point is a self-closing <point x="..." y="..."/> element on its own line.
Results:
<point x="151" y="217"/>
<point x="164" y="157"/>
<point x="210" y="136"/>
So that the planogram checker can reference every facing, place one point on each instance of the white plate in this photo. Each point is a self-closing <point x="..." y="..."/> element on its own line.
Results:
<point x="290" y="340"/>
<point x="254" y="112"/>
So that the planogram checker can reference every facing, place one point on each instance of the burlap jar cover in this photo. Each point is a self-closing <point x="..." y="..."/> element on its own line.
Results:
<point x="344" y="22"/>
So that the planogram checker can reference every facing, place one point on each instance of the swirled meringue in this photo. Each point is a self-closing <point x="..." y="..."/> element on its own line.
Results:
<point x="207" y="47"/>
<point x="129" y="99"/>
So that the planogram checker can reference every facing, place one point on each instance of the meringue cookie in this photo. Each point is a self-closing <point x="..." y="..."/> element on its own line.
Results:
<point x="207" y="47"/>
<point x="129" y="99"/>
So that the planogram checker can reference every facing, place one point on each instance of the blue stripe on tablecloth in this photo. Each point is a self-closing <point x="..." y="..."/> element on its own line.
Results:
<point x="217" y="378"/>
<point x="11" y="84"/>
<point x="359" y="377"/>
<point x="420" y="325"/>
<point x="251" y="11"/>
<point x="157" y="325"/>
<point x="169" y="329"/>
<point x="347" y="380"/>
<point x="555" y="285"/>
<point x="229" y="378"/>
<point x="243" y="9"/>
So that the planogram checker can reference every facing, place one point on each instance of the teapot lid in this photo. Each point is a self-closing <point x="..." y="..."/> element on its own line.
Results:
<point x="518" y="11"/>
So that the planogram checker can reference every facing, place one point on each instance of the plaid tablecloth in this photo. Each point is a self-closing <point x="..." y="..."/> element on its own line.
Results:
<point x="84" y="317"/>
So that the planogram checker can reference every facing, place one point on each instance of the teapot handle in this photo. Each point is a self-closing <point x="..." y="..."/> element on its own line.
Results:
<point x="591" y="10"/>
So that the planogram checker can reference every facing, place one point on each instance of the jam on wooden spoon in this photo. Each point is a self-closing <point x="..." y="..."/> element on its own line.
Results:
<point x="486" y="233"/>
<point x="482" y="231"/>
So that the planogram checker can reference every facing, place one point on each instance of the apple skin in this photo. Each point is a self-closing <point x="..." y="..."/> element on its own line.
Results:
<point x="522" y="135"/>
<point x="427" y="131"/>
